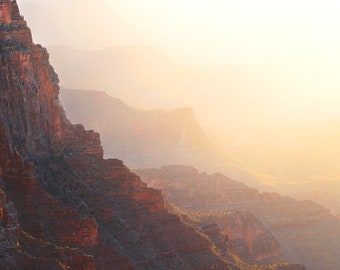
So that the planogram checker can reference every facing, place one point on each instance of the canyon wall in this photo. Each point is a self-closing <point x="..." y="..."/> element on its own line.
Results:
<point x="249" y="239"/>
<point x="62" y="205"/>
<point x="307" y="232"/>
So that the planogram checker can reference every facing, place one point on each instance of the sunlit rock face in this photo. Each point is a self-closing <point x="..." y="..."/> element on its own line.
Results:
<point x="306" y="232"/>
<point x="62" y="206"/>
<point x="248" y="237"/>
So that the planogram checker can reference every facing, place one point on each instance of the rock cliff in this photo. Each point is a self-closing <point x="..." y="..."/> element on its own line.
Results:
<point x="249" y="239"/>
<point x="307" y="232"/>
<point x="62" y="205"/>
<point x="239" y="232"/>
<point x="142" y="138"/>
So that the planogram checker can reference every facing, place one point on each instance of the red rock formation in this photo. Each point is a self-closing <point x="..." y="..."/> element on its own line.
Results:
<point x="306" y="231"/>
<point x="65" y="192"/>
<point x="248" y="237"/>
<point x="39" y="145"/>
<point x="60" y="223"/>
<point x="34" y="253"/>
<point x="239" y="232"/>
<point x="10" y="19"/>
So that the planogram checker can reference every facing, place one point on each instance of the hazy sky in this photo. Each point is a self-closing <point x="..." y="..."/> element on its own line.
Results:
<point x="299" y="37"/>
<point x="293" y="45"/>
<point x="302" y="37"/>
<point x="243" y="31"/>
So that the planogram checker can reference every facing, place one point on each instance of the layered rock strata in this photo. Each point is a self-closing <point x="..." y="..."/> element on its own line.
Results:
<point x="249" y="239"/>
<point x="76" y="210"/>
<point x="61" y="191"/>
<point x="306" y="231"/>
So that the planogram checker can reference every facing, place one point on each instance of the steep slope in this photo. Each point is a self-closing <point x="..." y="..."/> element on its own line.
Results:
<point x="307" y="232"/>
<point x="248" y="237"/>
<point x="142" y="138"/>
<point x="37" y="131"/>
<point x="62" y="192"/>
<point x="239" y="232"/>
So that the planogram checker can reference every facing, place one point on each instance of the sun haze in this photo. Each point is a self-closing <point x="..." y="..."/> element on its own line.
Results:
<point x="259" y="74"/>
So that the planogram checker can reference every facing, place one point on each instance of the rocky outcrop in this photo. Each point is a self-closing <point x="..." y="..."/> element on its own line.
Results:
<point x="142" y="138"/>
<point x="248" y="237"/>
<point x="13" y="27"/>
<point x="76" y="210"/>
<point x="9" y="232"/>
<point x="59" y="223"/>
<point x="307" y="232"/>
<point x="19" y="250"/>
<point x="238" y="232"/>
<point x="234" y="241"/>
<point x="63" y="190"/>
<point x="33" y="253"/>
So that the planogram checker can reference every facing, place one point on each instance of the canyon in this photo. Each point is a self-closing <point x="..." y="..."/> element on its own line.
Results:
<point x="274" y="210"/>
<point x="306" y="232"/>
<point x="63" y="206"/>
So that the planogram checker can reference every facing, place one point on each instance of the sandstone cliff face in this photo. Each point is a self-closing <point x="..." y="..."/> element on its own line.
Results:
<point x="307" y="232"/>
<point x="142" y="138"/>
<point x="57" y="186"/>
<point x="62" y="188"/>
<point x="239" y="232"/>
<point x="248" y="237"/>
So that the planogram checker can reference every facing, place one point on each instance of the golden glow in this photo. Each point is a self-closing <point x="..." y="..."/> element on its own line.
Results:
<point x="268" y="76"/>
